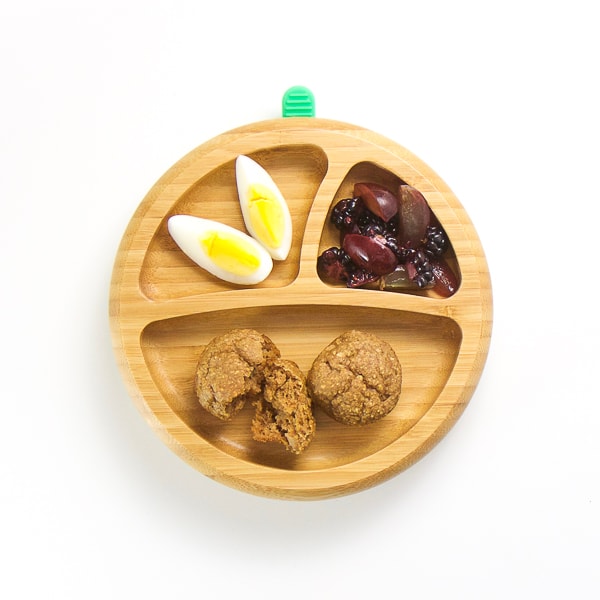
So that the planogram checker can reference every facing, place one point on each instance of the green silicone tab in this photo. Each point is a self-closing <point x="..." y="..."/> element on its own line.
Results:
<point x="298" y="101"/>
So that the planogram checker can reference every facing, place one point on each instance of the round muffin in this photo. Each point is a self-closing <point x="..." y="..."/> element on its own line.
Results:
<point x="356" y="379"/>
<point x="284" y="413"/>
<point x="231" y="370"/>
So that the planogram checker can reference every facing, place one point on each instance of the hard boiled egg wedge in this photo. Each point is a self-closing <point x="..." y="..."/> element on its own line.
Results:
<point x="265" y="211"/>
<point x="223" y="251"/>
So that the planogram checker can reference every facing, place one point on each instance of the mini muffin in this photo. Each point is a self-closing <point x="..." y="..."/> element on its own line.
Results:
<point x="356" y="379"/>
<point x="231" y="370"/>
<point x="284" y="413"/>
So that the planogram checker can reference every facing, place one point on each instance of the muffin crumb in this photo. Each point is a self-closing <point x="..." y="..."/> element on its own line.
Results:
<point x="284" y="412"/>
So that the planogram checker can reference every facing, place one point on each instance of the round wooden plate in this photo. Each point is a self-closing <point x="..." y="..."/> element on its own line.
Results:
<point x="164" y="309"/>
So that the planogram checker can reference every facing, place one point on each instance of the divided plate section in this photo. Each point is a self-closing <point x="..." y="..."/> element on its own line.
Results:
<point x="371" y="172"/>
<point x="427" y="347"/>
<point x="296" y="169"/>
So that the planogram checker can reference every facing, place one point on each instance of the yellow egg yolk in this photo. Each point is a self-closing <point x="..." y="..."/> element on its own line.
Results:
<point x="266" y="215"/>
<point x="230" y="253"/>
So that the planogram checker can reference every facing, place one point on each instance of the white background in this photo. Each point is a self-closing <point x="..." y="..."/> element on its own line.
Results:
<point x="99" y="99"/>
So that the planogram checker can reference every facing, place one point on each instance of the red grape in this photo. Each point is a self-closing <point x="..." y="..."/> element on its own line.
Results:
<point x="446" y="282"/>
<point x="370" y="253"/>
<point x="378" y="199"/>
<point x="415" y="216"/>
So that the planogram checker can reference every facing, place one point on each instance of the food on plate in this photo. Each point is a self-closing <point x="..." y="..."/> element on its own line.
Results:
<point x="414" y="217"/>
<point x="390" y="241"/>
<point x="244" y="365"/>
<point x="265" y="211"/>
<point x="233" y="255"/>
<point x="370" y="253"/>
<point x="283" y="412"/>
<point x="223" y="251"/>
<point x="378" y="199"/>
<point x="446" y="282"/>
<point x="356" y="379"/>
<point x="231" y="370"/>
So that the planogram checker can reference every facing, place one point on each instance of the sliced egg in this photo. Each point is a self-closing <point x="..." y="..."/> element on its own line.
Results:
<point x="223" y="251"/>
<point x="265" y="211"/>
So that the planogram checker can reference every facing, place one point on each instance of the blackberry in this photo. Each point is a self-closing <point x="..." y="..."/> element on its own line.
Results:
<point x="405" y="253"/>
<point x="334" y="264"/>
<point x="370" y="229"/>
<point x="436" y="241"/>
<point x="370" y="225"/>
<point x="346" y="212"/>
<point x="392" y="243"/>
<point x="422" y="270"/>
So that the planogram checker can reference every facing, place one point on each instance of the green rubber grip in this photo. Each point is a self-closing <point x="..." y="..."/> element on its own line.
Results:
<point x="298" y="101"/>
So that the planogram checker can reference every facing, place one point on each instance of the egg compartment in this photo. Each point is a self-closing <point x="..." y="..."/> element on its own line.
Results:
<point x="426" y="345"/>
<point x="297" y="170"/>
<point x="374" y="173"/>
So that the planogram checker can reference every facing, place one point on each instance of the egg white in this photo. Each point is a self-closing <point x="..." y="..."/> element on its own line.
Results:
<point x="249" y="173"/>
<point x="246" y="262"/>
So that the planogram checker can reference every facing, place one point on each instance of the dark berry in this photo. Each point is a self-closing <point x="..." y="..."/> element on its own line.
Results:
<point x="436" y="241"/>
<point x="392" y="243"/>
<point x="334" y="265"/>
<point x="419" y="268"/>
<point x="371" y="229"/>
<point x="369" y="226"/>
<point x="346" y="212"/>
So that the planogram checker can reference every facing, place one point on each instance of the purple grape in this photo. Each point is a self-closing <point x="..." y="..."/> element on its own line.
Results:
<point x="446" y="282"/>
<point x="414" y="217"/>
<point x="378" y="199"/>
<point x="370" y="253"/>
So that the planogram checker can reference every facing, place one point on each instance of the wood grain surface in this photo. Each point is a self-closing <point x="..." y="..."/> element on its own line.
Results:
<point x="164" y="309"/>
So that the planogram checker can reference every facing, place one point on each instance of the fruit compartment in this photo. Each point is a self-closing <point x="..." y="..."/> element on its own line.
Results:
<point x="297" y="169"/>
<point x="427" y="347"/>
<point x="370" y="172"/>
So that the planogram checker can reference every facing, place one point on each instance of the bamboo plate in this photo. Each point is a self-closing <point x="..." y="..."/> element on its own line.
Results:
<point x="164" y="309"/>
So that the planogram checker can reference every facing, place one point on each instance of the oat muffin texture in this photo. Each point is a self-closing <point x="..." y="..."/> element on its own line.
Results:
<point x="284" y="414"/>
<point x="230" y="371"/>
<point x="356" y="379"/>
